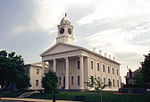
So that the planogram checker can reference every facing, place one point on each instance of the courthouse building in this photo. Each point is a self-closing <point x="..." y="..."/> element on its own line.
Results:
<point x="74" y="65"/>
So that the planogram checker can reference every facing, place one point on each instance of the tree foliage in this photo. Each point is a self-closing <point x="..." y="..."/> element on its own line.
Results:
<point x="138" y="78"/>
<point x="94" y="83"/>
<point x="97" y="85"/>
<point x="22" y="81"/>
<point x="142" y="75"/>
<point x="50" y="82"/>
<point x="12" y="71"/>
<point x="146" y="68"/>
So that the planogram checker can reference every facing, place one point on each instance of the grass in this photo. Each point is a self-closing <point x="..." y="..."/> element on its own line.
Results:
<point x="93" y="97"/>
<point x="11" y="94"/>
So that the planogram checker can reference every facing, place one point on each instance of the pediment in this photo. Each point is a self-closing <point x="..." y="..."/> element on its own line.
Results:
<point x="58" y="48"/>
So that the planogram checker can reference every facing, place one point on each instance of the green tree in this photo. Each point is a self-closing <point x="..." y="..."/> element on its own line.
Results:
<point x="3" y="68"/>
<point x="138" y="78"/>
<point x="50" y="83"/>
<point x="95" y="84"/>
<point x="11" y="69"/>
<point x="22" y="81"/>
<point x="146" y="68"/>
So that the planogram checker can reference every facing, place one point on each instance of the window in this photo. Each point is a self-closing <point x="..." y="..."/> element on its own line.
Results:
<point x="78" y="64"/>
<point x="117" y="71"/>
<point x="103" y="68"/>
<point x="72" y="80"/>
<point x="37" y="82"/>
<point x="91" y="64"/>
<point x="78" y="80"/>
<point x="113" y="83"/>
<point x="104" y="81"/>
<point x="108" y="69"/>
<point x="59" y="80"/>
<point x="97" y="66"/>
<point x="113" y="71"/>
<point x="117" y="83"/>
<point x="37" y="71"/>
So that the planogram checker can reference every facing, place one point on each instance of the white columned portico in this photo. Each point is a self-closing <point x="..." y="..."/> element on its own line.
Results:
<point x="54" y="65"/>
<point x="81" y="73"/>
<point x="67" y="74"/>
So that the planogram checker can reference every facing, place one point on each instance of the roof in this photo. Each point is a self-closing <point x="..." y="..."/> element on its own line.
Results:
<point x="79" y="48"/>
<point x="37" y="64"/>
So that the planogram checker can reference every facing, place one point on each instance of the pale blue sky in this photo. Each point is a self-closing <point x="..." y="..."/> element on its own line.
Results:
<point x="119" y="27"/>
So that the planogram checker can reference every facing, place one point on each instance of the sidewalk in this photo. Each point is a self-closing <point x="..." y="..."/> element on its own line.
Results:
<point x="34" y="100"/>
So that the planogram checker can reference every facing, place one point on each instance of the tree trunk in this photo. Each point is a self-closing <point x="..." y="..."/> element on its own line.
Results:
<point x="101" y="96"/>
<point x="53" y="96"/>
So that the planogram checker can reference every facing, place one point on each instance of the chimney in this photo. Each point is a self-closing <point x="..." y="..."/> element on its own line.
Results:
<point x="109" y="56"/>
<point x="105" y="54"/>
<point x="94" y="49"/>
<point x="114" y="58"/>
<point x="100" y="52"/>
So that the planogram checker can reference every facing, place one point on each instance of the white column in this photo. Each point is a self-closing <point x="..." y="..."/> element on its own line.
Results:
<point x="67" y="74"/>
<point x="86" y="72"/>
<point x="43" y="67"/>
<point x="48" y="65"/>
<point x="81" y="73"/>
<point x="54" y="65"/>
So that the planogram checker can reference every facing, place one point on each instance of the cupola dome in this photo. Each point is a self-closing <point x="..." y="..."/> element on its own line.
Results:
<point x="65" y="20"/>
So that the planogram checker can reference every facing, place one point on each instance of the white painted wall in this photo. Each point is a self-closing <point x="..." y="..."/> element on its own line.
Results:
<point x="94" y="72"/>
<point x="34" y="76"/>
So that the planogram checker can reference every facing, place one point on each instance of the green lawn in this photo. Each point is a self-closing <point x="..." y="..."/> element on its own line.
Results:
<point x="11" y="94"/>
<point x="93" y="97"/>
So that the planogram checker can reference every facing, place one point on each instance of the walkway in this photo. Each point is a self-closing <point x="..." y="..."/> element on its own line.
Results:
<point x="34" y="100"/>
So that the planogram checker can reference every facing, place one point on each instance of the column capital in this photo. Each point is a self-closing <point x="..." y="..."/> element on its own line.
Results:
<point x="54" y="59"/>
<point x="80" y="56"/>
<point x="66" y="58"/>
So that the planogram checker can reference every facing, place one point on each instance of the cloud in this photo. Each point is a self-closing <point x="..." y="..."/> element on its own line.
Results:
<point x="31" y="26"/>
<point x="18" y="29"/>
<point x="46" y="15"/>
<point x="116" y="11"/>
<point x="117" y="40"/>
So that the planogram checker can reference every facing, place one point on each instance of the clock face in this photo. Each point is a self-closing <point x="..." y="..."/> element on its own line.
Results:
<point x="69" y="31"/>
<point x="61" y="31"/>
